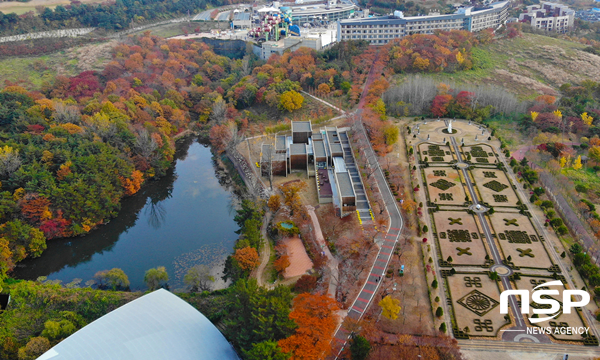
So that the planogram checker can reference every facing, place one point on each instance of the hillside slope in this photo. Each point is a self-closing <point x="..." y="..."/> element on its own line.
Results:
<point x="529" y="65"/>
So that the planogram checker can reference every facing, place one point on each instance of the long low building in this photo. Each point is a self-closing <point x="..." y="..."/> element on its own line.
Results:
<point x="381" y="30"/>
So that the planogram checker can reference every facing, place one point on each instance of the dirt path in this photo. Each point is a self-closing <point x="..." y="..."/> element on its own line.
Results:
<point x="332" y="263"/>
<point x="373" y="73"/>
<point x="265" y="252"/>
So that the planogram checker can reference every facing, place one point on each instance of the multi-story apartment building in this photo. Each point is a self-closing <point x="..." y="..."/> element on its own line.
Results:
<point x="549" y="17"/>
<point x="381" y="30"/>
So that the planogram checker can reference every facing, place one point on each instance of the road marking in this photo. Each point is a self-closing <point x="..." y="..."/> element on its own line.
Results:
<point x="369" y="291"/>
<point x="378" y="267"/>
<point x="387" y="247"/>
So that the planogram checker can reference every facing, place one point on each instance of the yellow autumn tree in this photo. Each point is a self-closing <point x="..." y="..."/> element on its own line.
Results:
<point x="577" y="164"/>
<point x="587" y="119"/>
<point x="290" y="101"/>
<point x="594" y="153"/>
<point x="563" y="161"/>
<point x="420" y="63"/>
<point x="390" y="307"/>
<point x="534" y="115"/>
<point x="460" y="58"/>
<point x="379" y="107"/>
<point x="558" y="114"/>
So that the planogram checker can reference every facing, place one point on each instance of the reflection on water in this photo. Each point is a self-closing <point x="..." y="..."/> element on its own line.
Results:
<point x="183" y="219"/>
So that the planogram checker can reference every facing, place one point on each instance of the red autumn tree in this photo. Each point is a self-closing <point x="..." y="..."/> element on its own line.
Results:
<point x="306" y="284"/>
<point x="439" y="107"/>
<point x="316" y="319"/>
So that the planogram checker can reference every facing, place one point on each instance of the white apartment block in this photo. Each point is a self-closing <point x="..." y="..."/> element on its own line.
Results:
<point x="381" y="30"/>
<point x="549" y="17"/>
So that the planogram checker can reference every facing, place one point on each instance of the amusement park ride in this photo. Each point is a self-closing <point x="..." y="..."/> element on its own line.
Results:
<point x="274" y="26"/>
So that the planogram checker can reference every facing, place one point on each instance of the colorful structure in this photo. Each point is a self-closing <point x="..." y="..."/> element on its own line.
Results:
<point x="273" y="26"/>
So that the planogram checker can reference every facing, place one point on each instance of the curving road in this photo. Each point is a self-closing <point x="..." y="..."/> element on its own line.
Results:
<point x="389" y="241"/>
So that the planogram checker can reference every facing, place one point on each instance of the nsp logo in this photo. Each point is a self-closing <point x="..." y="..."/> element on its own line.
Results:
<point x="538" y="297"/>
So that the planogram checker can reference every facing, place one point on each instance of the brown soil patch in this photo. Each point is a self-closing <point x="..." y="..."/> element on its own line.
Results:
<point x="568" y="320"/>
<point x="457" y="192"/>
<point x="540" y="257"/>
<point x="299" y="261"/>
<point x="476" y="303"/>
<point x="474" y="247"/>
<point x="487" y="194"/>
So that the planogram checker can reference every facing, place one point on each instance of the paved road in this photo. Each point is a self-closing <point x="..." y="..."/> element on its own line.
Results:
<point x="389" y="241"/>
<point x="552" y="350"/>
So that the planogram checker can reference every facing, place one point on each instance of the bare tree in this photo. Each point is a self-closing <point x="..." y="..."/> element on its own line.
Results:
<point x="219" y="110"/>
<point x="198" y="278"/>
<point x="66" y="114"/>
<point x="9" y="162"/>
<point x="145" y="144"/>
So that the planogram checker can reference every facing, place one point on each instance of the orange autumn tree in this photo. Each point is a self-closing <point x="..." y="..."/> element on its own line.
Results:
<point x="247" y="258"/>
<point x="35" y="207"/>
<point x="282" y="263"/>
<point x="131" y="186"/>
<point x="317" y="320"/>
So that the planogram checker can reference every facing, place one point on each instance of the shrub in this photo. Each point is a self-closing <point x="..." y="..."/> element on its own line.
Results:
<point x="437" y="299"/>
<point x="434" y="284"/>
<point x="563" y="255"/>
<point x="443" y="327"/>
<point x="425" y="228"/>
<point x="439" y="312"/>
<point x="288" y="231"/>
<point x="449" y="259"/>
<point x="556" y="222"/>
<point x="546" y="204"/>
<point x="561" y="230"/>
<point x="359" y="347"/>
<point x="575" y="248"/>
<point x="306" y="284"/>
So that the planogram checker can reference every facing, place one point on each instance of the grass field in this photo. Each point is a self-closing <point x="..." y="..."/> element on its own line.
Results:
<point x="33" y="71"/>
<point x="528" y="65"/>
<point x="19" y="8"/>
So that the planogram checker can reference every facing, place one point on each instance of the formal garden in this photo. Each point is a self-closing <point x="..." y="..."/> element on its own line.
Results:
<point x="435" y="153"/>
<point x="562" y="320"/>
<point x="494" y="187"/>
<point x="520" y="244"/>
<point x="472" y="279"/>
<point x="458" y="238"/>
<point x="475" y="300"/>
<point x="479" y="154"/>
<point x="444" y="186"/>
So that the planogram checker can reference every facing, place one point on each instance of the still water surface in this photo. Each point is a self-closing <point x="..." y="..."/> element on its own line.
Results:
<point x="183" y="219"/>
